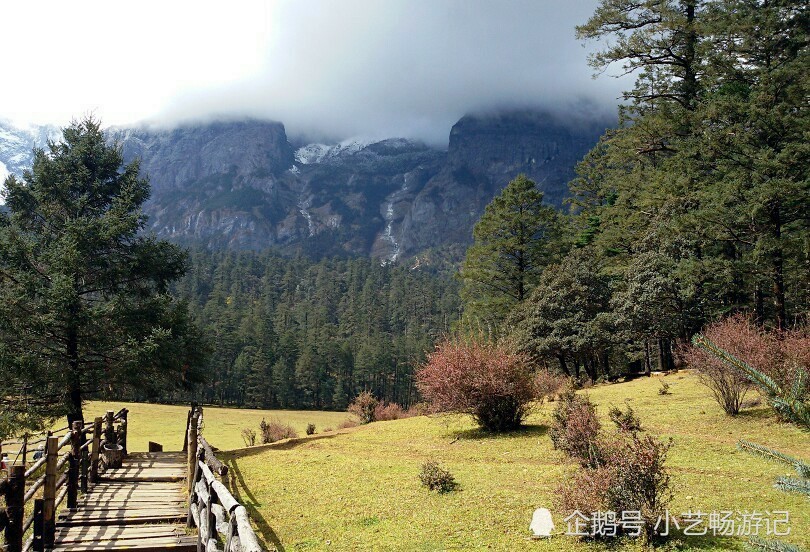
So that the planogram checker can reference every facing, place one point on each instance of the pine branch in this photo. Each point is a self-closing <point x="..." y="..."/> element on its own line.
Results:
<point x="787" y="404"/>
<point x="793" y="485"/>
<point x="801" y="467"/>
<point x="757" y="543"/>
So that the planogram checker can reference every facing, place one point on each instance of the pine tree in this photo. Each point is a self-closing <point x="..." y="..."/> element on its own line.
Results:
<point x="516" y="237"/>
<point x="84" y="302"/>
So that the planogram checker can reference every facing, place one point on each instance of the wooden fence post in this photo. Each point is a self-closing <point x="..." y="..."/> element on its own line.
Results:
<point x="95" y="450"/>
<point x="39" y="506"/>
<point x="15" y="508"/>
<point x="192" y="449"/>
<point x="109" y="430"/>
<point x="188" y="425"/>
<point x="24" y="450"/>
<point x="124" y="430"/>
<point x="49" y="493"/>
<point x="73" y="465"/>
<point x="191" y="496"/>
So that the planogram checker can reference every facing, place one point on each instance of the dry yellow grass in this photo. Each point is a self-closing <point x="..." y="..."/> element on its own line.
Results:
<point x="166" y="424"/>
<point x="359" y="490"/>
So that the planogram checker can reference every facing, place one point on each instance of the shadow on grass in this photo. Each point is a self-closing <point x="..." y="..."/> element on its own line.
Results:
<point x="676" y="542"/>
<point x="284" y="444"/>
<point x="237" y="484"/>
<point x="755" y="413"/>
<point x="703" y="542"/>
<point x="519" y="433"/>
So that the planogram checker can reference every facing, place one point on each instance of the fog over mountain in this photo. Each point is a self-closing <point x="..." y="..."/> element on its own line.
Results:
<point x="329" y="70"/>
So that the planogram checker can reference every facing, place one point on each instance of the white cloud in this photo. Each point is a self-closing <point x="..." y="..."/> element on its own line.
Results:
<point x="341" y="68"/>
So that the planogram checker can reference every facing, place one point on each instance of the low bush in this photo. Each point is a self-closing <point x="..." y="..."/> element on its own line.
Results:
<point x="275" y="431"/>
<point x="419" y="409"/>
<point x="663" y="389"/>
<point x="488" y="381"/>
<point x="436" y="478"/>
<point x="736" y="353"/>
<point x="346" y="424"/>
<point x="625" y="420"/>
<point x="389" y="411"/>
<point x="575" y="428"/>
<point x="548" y="384"/>
<point x="631" y="476"/>
<point x="249" y="437"/>
<point x="310" y="429"/>
<point x="364" y="406"/>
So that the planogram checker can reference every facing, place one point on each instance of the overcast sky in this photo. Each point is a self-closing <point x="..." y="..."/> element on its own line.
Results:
<point x="337" y="68"/>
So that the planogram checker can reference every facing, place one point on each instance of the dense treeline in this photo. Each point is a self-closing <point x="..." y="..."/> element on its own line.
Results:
<point x="695" y="207"/>
<point x="293" y="333"/>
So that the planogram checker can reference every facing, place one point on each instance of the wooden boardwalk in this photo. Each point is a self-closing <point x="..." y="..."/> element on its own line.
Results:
<point x="140" y="506"/>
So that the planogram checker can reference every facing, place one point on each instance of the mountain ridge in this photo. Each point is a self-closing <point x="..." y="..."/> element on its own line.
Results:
<point x="244" y="185"/>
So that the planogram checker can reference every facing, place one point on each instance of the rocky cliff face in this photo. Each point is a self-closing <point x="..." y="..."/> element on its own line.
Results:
<point x="243" y="185"/>
<point x="485" y="153"/>
<point x="17" y="144"/>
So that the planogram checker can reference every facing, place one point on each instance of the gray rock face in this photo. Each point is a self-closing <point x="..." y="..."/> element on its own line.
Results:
<point x="17" y="144"/>
<point x="243" y="185"/>
<point x="485" y="154"/>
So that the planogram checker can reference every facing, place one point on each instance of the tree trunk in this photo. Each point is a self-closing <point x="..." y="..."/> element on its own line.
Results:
<point x="647" y="359"/>
<point x="662" y="361"/>
<point x="74" y="391"/>
<point x="778" y="268"/>
<point x="563" y="366"/>
<point x="606" y="364"/>
<point x="759" y="304"/>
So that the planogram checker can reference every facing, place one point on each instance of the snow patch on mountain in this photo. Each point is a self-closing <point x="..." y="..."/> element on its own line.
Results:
<point x="322" y="153"/>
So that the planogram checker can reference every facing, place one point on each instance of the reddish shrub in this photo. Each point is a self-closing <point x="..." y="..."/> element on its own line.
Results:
<point x="586" y="491"/>
<point x="389" y="411"/>
<point x="419" y="409"/>
<point x="491" y="383"/>
<point x="548" y="384"/>
<point x="345" y="424"/>
<point x="364" y="406"/>
<point x="276" y="431"/>
<point x="631" y="477"/>
<point x="785" y="357"/>
<point x="575" y="428"/>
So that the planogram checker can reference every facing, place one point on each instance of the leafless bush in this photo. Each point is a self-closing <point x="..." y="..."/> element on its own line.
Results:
<point x="249" y="437"/>
<point x="364" y="406"/>
<point x="275" y="430"/>
<point x="575" y="428"/>
<point x="389" y="411"/>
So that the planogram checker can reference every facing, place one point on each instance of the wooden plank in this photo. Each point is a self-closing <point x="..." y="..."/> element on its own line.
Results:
<point x="135" y="507"/>
<point x="122" y="513"/>
<point x="120" y="521"/>
<point x="137" y="478"/>
<point x="98" y="502"/>
<point x="116" y="532"/>
<point x="155" y="544"/>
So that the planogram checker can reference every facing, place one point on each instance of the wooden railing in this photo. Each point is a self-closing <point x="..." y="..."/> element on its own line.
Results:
<point x="63" y="475"/>
<point x="212" y="508"/>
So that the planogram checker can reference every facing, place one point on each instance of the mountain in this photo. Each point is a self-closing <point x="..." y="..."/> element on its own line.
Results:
<point x="244" y="185"/>
<point x="17" y="144"/>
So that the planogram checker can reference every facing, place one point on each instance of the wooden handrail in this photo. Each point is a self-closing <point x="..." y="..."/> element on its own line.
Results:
<point x="214" y="463"/>
<point x="212" y="507"/>
<point x="56" y="484"/>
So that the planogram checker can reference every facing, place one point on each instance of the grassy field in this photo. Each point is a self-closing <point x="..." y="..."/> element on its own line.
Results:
<point x="166" y="424"/>
<point x="358" y="489"/>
